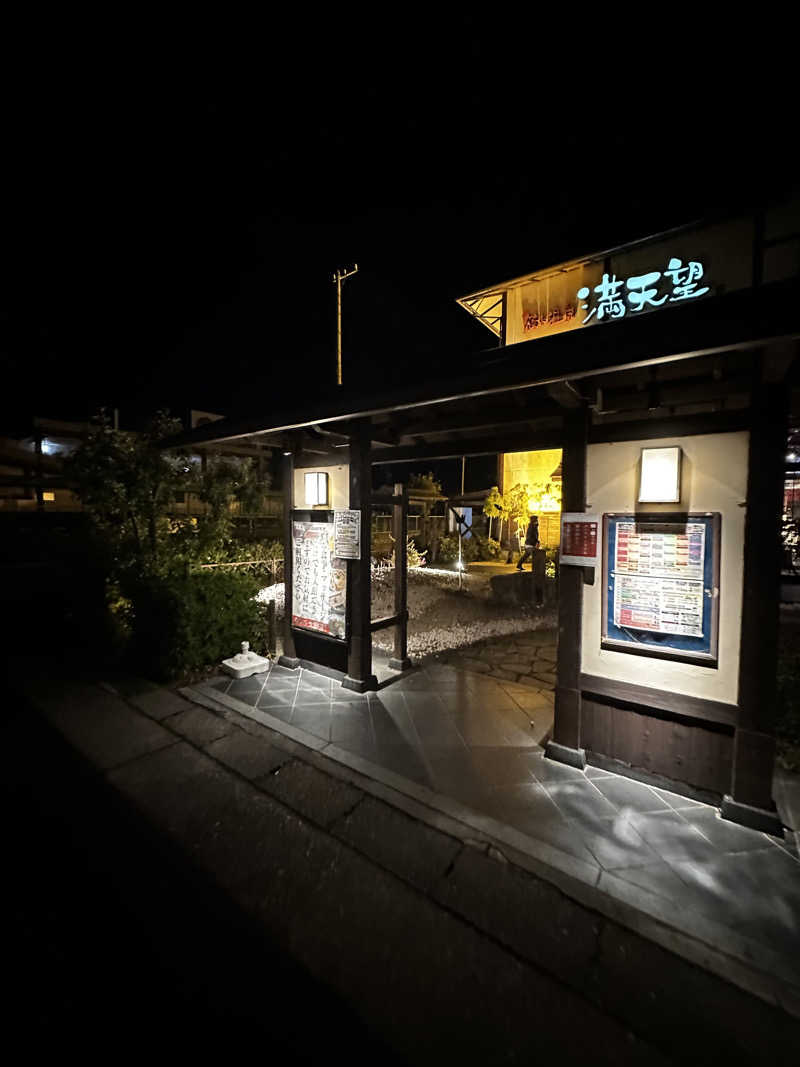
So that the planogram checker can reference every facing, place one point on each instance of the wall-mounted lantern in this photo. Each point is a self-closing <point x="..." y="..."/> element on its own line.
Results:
<point x="316" y="489"/>
<point x="660" y="478"/>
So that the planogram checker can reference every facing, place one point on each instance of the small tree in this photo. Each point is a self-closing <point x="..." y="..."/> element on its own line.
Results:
<point x="494" y="507"/>
<point x="126" y="483"/>
<point x="518" y="510"/>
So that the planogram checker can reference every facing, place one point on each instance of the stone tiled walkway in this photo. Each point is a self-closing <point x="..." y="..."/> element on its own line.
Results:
<point x="470" y="738"/>
<point x="527" y="658"/>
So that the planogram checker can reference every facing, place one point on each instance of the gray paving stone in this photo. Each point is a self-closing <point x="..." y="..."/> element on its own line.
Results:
<point x="676" y="801"/>
<point x="308" y="791"/>
<point x="675" y="1002"/>
<point x="612" y="840"/>
<point x="546" y="678"/>
<point x="530" y="700"/>
<point x="723" y="835"/>
<point x="499" y="672"/>
<point x="417" y="853"/>
<point x="548" y="770"/>
<point x="101" y="726"/>
<point x="159" y="704"/>
<point x="220" y="822"/>
<point x="199" y="726"/>
<point x="533" y="918"/>
<point x="439" y="991"/>
<point x="532" y="683"/>
<point x="405" y="760"/>
<point x="671" y="836"/>
<point x="500" y="766"/>
<point x="576" y="798"/>
<point x="249" y="756"/>
<point x="628" y="795"/>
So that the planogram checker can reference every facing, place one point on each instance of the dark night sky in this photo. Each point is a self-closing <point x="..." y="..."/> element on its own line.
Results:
<point x="173" y="247"/>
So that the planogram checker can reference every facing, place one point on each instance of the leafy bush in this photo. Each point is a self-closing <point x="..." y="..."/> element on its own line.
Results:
<point x="473" y="548"/>
<point x="425" y="483"/>
<point x="486" y="547"/>
<point x="186" y="620"/>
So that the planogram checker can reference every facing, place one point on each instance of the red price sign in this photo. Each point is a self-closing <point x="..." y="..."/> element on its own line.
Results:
<point x="580" y="539"/>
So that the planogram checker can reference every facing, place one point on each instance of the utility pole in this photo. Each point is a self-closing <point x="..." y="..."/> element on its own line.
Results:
<point x="338" y="278"/>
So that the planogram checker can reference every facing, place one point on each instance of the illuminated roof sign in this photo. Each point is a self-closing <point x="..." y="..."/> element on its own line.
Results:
<point x="669" y="270"/>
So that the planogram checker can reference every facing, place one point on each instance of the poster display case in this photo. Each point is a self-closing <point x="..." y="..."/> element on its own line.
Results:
<point x="661" y="585"/>
<point x="319" y="578"/>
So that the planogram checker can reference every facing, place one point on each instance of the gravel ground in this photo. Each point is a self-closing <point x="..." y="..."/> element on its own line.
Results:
<point x="441" y="616"/>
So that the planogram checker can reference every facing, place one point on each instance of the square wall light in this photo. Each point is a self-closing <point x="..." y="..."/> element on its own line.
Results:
<point x="660" y="478"/>
<point x="316" y="489"/>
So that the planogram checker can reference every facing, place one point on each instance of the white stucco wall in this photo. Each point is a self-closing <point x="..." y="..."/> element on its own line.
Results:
<point x="338" y="486"/>
<point x="713" y="478"/>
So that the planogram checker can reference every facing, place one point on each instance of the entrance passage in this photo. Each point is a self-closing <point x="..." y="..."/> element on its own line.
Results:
<point x="453" y="731"/>
<point x="487" y="619"/>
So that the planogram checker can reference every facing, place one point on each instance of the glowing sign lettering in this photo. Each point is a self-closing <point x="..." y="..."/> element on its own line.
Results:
<point x="642" y="291"/>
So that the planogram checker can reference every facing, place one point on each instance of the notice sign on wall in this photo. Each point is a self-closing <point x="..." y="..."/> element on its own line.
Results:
<point x="660" y="587"/>
<point x="347" y="534"/>
<point x="580" y="539"/>
<point x="319" y="580"/>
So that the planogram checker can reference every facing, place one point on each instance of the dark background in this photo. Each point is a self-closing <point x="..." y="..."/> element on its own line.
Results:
<point x="171" y="244"/>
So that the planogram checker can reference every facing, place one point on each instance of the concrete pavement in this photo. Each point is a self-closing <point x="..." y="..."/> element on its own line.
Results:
<point x="450" y="935"/>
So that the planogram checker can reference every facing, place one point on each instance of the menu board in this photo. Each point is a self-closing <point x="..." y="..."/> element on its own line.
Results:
<point x="660" y="587"/>
<point x="319" y="580"/>
<point x="659" y="578"/>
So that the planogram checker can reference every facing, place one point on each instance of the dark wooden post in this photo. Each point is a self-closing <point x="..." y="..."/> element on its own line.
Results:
<point x="538" y="567"/>
<point x="566" y="743"/>
<point x="289" y="657"/>
<point x="359" y="658"/>
<point x="400" y="660"/>
<point x="750" y="801"/>
<point x="39" y="486"/>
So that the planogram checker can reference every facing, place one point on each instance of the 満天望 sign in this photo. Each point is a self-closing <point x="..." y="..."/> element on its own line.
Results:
<point x="615" y="297"/>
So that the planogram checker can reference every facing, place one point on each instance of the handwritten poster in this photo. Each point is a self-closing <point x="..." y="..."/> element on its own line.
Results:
<point x="658" y="573"/>
<point x="319" y="583"/>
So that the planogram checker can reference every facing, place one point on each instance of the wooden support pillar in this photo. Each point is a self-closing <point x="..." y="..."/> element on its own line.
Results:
<point x="400" y="660"/>
<point x="566" y="743"/>
<point x="289" y="657"/>
<point x="750" y="800"/>
<point x="39" y="486"/>
<point x="359" y="657"/>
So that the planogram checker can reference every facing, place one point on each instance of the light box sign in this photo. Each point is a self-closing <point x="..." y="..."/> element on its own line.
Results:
<point x="661" y="585"/>
<point x="660" y="476"/>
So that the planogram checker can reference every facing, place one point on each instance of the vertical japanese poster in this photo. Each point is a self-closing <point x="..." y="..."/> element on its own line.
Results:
<point x="319" y="583"/>
<point x="660" y="588"/>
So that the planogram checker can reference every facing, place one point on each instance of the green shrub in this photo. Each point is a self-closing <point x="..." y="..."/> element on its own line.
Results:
<point x="187" y="620"/>
<point x="485" y="548"/>
<point x="472" y="548"/>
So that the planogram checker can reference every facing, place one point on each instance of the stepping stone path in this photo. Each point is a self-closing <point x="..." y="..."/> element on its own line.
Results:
<point x="528" y="658"/>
